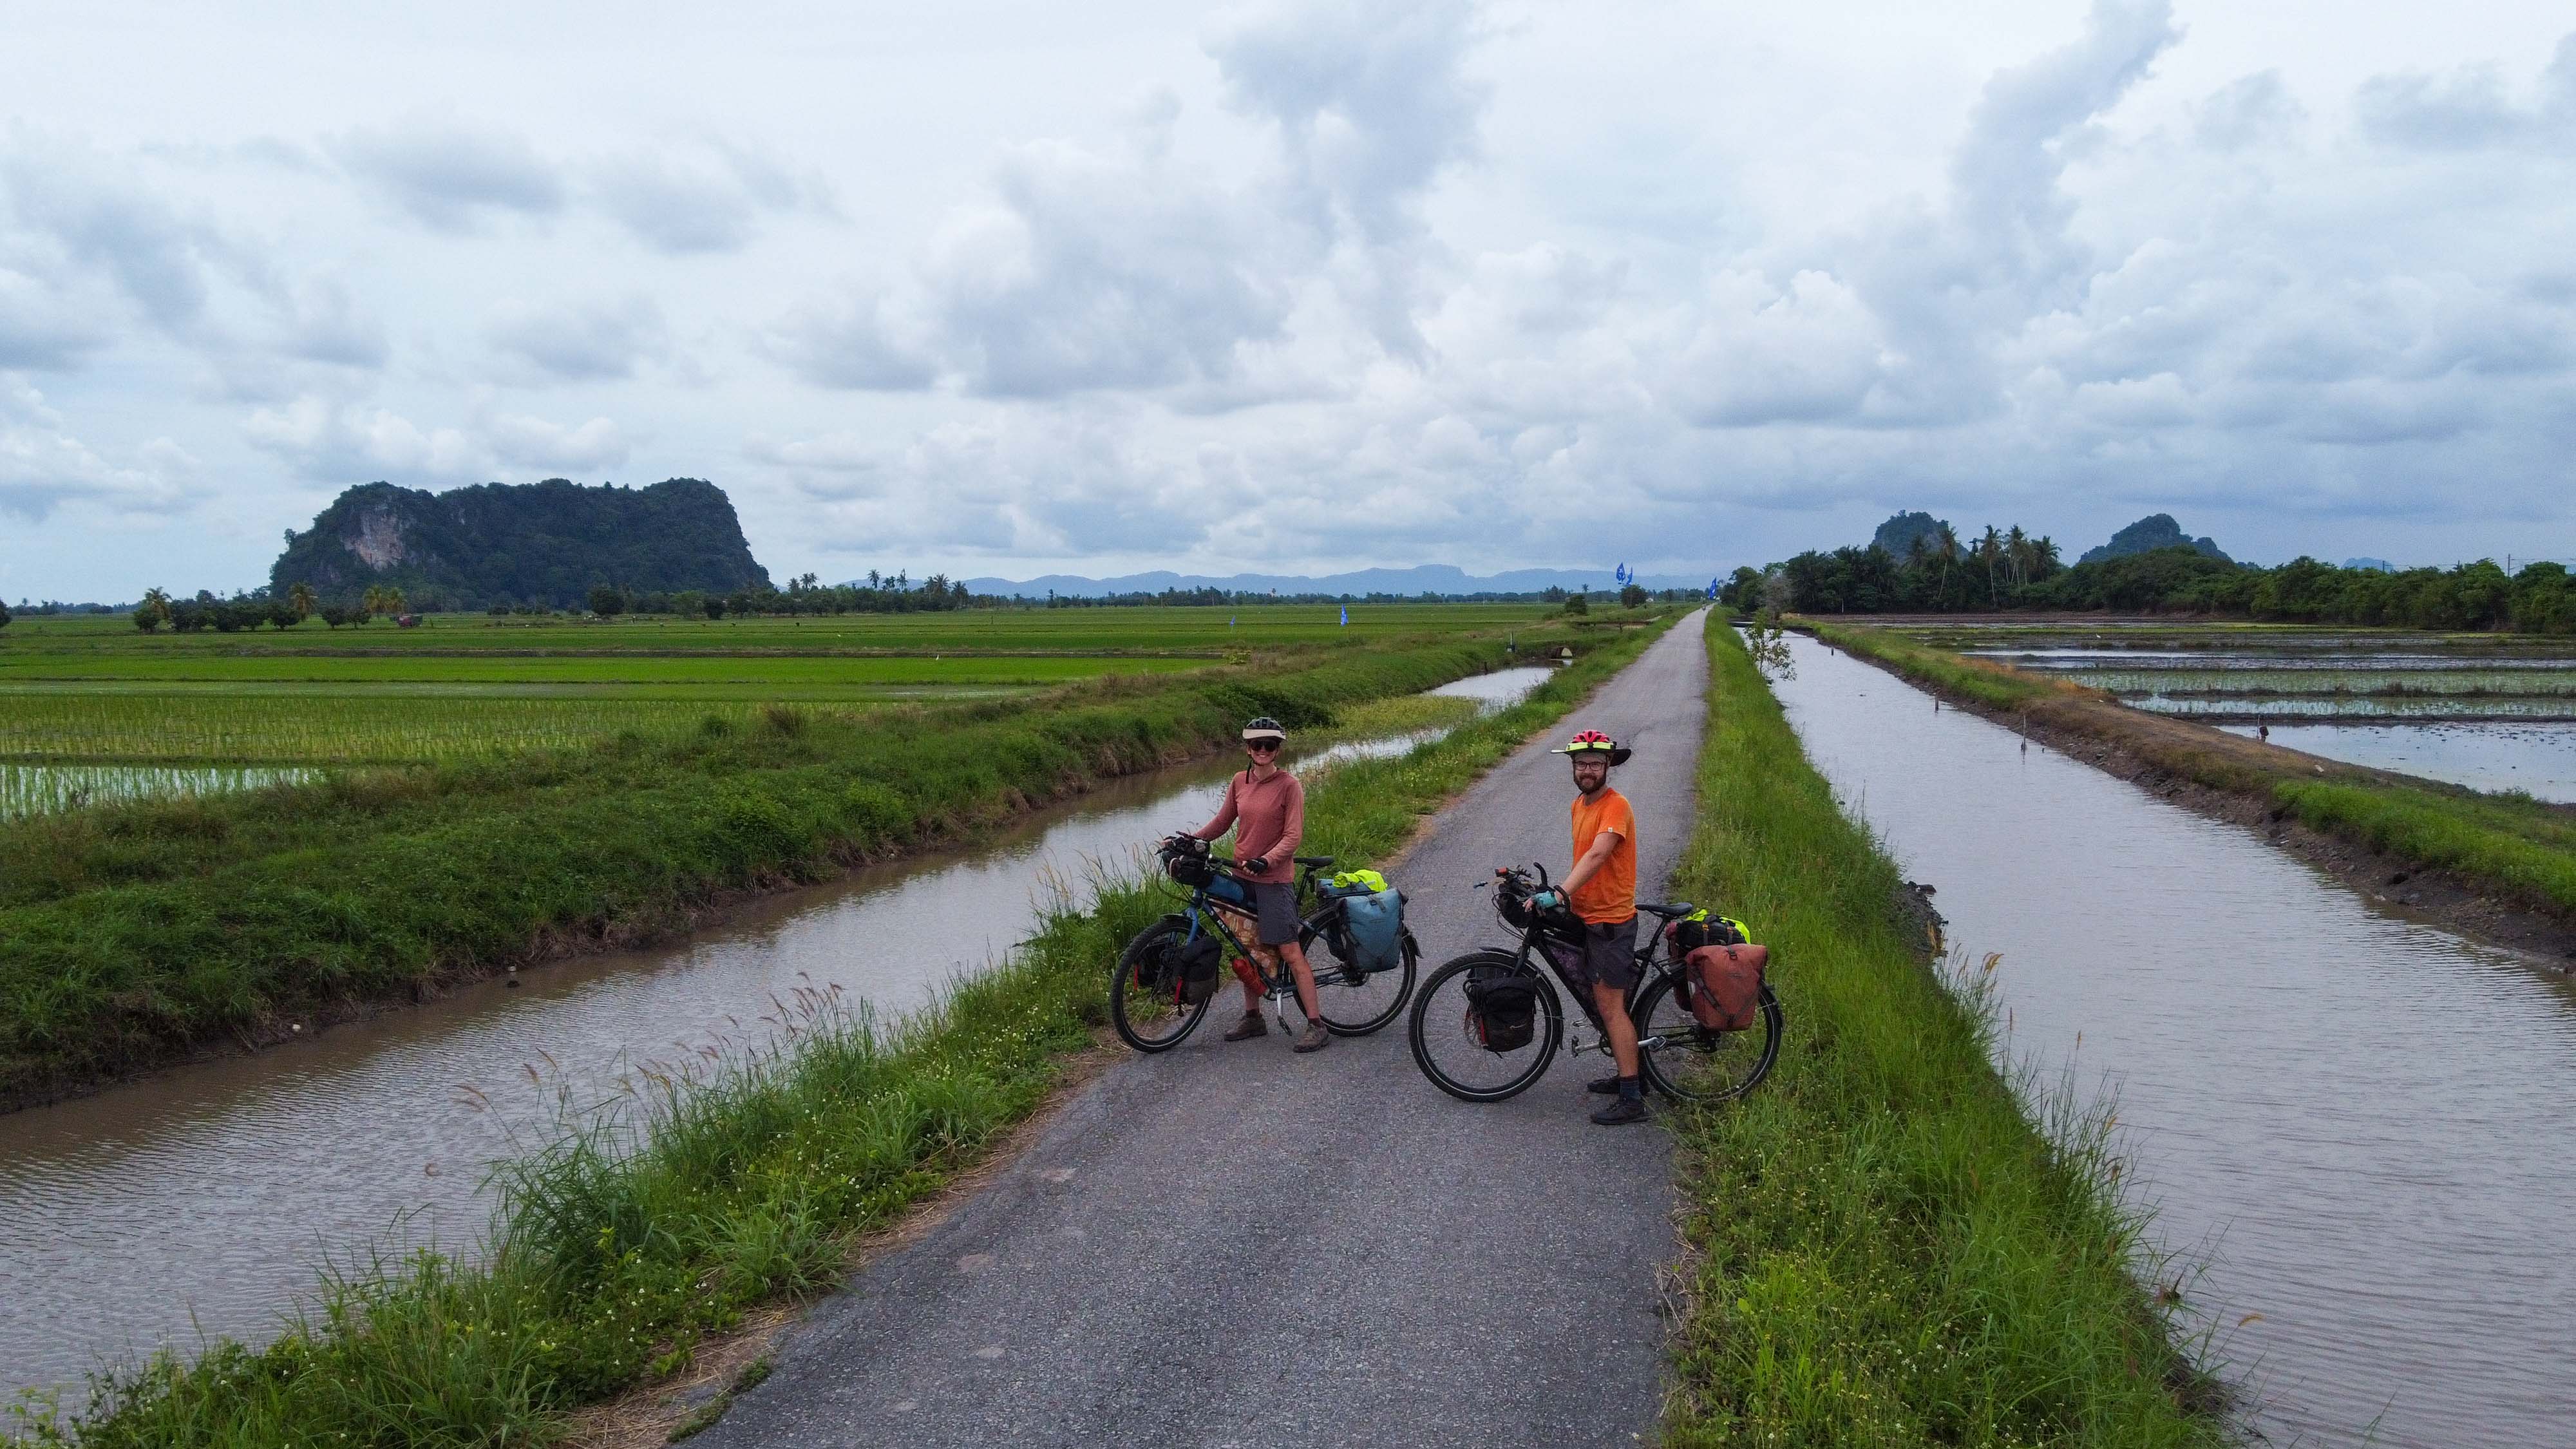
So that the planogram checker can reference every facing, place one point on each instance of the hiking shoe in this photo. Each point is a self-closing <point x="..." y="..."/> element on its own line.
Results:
<point x="1624" y="1110"/>
<point x="1313" y="1038"/>
<point x="1604" y="1087"/>
<point x="1251" y="1026"/>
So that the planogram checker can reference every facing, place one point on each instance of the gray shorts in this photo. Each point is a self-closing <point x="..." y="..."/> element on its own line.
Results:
<point x="1610" y="954"/>
<point x="1274" y="905"/>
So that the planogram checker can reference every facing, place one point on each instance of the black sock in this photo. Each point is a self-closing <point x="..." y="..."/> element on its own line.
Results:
<point x="1629" y="1091"/>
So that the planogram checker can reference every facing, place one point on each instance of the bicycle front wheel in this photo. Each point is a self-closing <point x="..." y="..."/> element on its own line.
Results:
<point x="1145" y="1001"/>
<point x="1352" y="1004"/>
<point x="1455" y="1056"/>
<point x="1689" y="1063"/>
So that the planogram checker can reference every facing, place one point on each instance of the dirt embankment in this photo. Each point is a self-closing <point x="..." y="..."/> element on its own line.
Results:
<point x="2176" y="759"/>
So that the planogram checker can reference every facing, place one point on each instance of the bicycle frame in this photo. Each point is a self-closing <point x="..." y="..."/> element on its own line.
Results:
<point x="1651" y="968"/>
<point x="1207" y="913"/>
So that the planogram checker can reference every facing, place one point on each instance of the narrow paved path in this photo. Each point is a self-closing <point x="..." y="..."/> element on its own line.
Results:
<point x="1234" y="1245"/>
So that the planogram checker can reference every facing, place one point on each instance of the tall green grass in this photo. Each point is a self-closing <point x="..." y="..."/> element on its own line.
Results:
<point x="1890" y="1249"/>
<point x="2520" y="850"/>
<point x="651" y="1225"/>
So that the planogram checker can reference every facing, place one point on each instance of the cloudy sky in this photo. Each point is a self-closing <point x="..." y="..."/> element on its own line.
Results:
<point x="1020" y="287"/>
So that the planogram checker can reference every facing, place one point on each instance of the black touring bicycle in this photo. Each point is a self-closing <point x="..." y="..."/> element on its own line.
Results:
<point x="1487" y="1024"/>
<point x="1175" y="967"/>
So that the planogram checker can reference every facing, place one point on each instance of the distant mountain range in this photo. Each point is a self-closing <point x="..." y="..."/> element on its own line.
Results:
<point x="1421" y="579"/>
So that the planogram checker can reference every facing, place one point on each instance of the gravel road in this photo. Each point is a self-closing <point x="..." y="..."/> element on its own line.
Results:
<point x="1234" y="1245"/>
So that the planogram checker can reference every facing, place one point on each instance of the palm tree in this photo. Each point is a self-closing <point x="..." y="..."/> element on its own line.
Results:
<point x="2017" y="553"/>
<point x="1990" y="552"/>
<point x="1945" y="547"/>
<point x="300" y="599"/>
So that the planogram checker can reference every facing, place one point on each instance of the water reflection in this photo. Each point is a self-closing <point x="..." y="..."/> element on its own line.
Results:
<point x="213" y="1190"/>
<point x="2360" y="1120"/>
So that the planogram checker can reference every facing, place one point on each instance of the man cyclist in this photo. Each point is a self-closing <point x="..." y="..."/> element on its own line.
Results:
<point x="1266" y="809"/>
<point x="1601" y="890"/>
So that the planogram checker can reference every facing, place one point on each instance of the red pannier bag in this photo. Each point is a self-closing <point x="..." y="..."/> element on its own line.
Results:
<point x="1726" y="985"/>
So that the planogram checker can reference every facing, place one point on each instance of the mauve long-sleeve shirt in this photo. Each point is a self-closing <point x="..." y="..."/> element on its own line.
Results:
<point x="1268" y="817"/>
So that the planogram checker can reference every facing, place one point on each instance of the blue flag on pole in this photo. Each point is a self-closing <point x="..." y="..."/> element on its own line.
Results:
<point x="1346" y="616"/>
<point x="1712" y="590"/>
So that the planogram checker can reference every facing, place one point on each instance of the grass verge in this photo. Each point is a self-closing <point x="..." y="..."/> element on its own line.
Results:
<point x="2513" y="848"/>
<point x="645" y="1228"/>
<point x="1889" y="1250"/>
<point x="133" y="934"/>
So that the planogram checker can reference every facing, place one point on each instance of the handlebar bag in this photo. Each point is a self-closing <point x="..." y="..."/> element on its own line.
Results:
<point x="1187" y="865"/>
<point x="1502" y="1008"/>
<point x="1726" y="986"/>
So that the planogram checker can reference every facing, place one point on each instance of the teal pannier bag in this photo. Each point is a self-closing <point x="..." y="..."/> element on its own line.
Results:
<point x="1370" y="936"/>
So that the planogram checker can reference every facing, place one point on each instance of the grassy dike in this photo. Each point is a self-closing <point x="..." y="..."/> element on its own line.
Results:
<point x="1890" y="1251"/>
<point x="2521" y="851"/>
<point x="621" y="1246"/>
<point x="133" y="935"/>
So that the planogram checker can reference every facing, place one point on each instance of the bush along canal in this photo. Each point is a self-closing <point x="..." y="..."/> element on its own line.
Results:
<point x="1887" y="1247"/>
<point x="2501" y="866"/>
<point x="2350" y="1124"/>
<point x="622" y="1239"/>
<point x="137" y="934"/>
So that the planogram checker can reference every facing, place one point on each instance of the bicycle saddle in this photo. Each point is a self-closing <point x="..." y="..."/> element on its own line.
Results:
<point x="1317" y="861"/>
<point x="1667" y="909"/>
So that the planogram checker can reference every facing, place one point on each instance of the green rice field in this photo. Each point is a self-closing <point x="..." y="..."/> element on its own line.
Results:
<point x="145" y="714"/>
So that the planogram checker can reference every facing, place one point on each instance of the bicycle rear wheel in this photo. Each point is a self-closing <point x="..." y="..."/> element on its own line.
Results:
<point x="1145" y="1002"/>
<point x="1445" y="1043"/>
<point x="1355" y="1005"/>
<point x="1689" y="1063"/>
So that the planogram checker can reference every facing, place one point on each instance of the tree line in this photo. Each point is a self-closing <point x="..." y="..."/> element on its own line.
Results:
<point x="297" y="603"/>
<point x="2009" y="570"/>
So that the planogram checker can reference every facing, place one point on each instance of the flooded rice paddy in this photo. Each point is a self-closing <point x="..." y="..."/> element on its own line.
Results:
<point x="2537" y="759"/>
<point x="2487" y="711"/>
<point x="2356" y="1123"/>
<point x="208" y="1195"/>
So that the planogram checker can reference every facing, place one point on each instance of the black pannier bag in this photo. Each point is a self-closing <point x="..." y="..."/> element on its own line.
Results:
<point x="1502" y="1008"/>
<point x="1199" y="960"/>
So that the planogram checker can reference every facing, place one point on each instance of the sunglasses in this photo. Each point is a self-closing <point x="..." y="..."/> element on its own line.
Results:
<point x="1263" y="747"/>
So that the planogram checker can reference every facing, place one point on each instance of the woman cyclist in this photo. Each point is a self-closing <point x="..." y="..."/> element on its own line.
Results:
<point x="1266" y="809"/>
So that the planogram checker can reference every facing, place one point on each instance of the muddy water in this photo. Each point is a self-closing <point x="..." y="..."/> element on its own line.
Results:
<point x="212" y="1192"/>
<point x="2358" y="1123"/>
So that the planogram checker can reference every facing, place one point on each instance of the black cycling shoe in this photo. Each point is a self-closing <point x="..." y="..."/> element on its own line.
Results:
<point x="1606" y="1086"/>
<point x="1622" y="1111"/>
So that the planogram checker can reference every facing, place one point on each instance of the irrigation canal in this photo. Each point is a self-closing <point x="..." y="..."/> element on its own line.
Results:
<point x="2354" y="1123"/>
<point x="205" y="1198"/>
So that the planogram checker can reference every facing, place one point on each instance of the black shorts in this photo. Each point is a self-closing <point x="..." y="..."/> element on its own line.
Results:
<point x="1610" y="953"/>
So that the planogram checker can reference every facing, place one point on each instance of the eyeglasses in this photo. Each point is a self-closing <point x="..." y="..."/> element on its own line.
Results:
<point x="1263" y="747"/>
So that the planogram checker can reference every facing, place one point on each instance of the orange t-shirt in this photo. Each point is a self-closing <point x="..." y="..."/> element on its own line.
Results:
<point x="1610" y="896"/>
